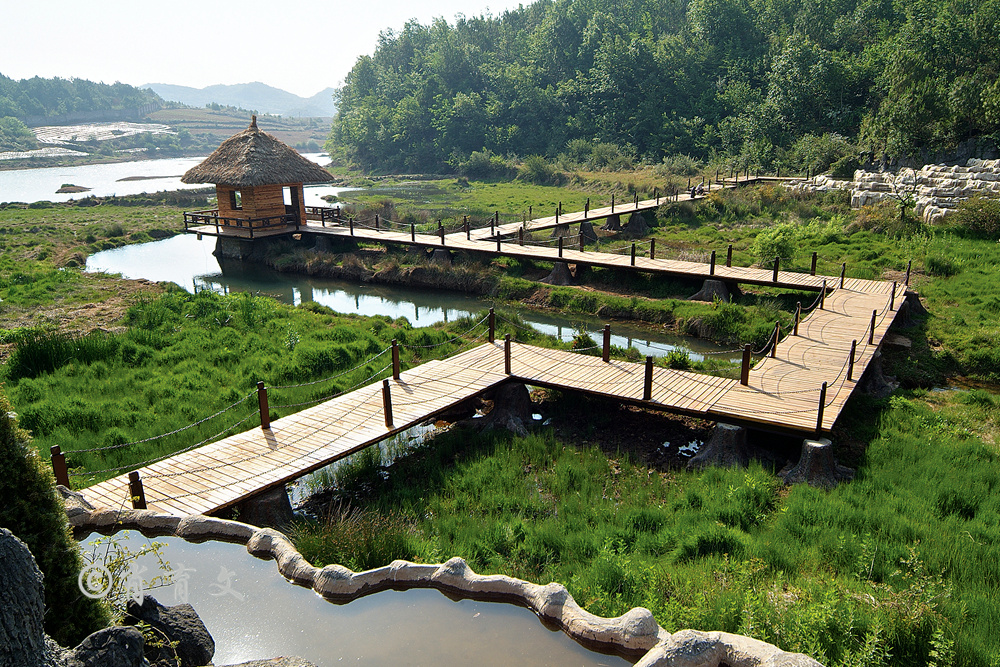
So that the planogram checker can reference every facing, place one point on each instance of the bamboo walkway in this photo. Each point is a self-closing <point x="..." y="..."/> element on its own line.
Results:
<point x="785" y="392"/>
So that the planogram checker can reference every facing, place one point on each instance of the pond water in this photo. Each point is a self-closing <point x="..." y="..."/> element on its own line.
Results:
<point x="104" y="180"/>
<point x="253" y="613"/>
<point x="190" y="263"/>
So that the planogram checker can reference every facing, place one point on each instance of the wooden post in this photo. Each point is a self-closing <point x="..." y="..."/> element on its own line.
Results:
<point x="729" y="255"/>
<point x="774" y="275"/>
<point x="711" y="265"/>
<point x="135" y="491"/>
<point x="376" y="222"/>
<point x="351" y="222"/>
<point x="819" y="413"/>
<point x="586" y="209"/>
<point x="777" y="335"/>
<point x="871" y="328"/>
<point x="493" y="325"/>
<point x="637" y="200"/>
<point x="581" y="241"/>
<point x="560" y="246"/>
<point x="656" y="193"/>
<point x="265" y="415"/>
<point x="506" y="354"/>
<point x="892" y="297"/>
<point x="441" y="234"/>
<point x="59" y="466"/>
<point x="843" y="272"/>
<point x="909" y="265"/>
<point x="387" y="403"/>
<point x="557" y="216"/>
<point x="612" y="203"/>
<point x="530" y="213"/>
<point x="520" y="236"/>
<point x="652" y="248"/>
<point x="812" y="271"/>
<point x="465" y="223"/>
<point x="606" y="350"/>
<point x="633" y="254"/>
<point x="413" y="233"/>
<point x="498" y="243"/>
<point x="798" y="316"/>
<point x="647" y="385"/>
<point x="822" y="296"/>
<point x="850" y="361"/>
<point x="745" y="366"/>
<point x="395" y="360"/>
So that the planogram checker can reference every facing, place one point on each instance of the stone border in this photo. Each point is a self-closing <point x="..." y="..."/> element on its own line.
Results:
<point x="635" y="633"/>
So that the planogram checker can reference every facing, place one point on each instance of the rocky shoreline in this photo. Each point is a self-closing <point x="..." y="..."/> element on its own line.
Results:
<point x="635" y="633"/>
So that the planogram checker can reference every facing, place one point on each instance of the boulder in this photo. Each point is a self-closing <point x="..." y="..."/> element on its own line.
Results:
<point x="712" y="290"/>
<point x="511" y="410"/>
<point x="111" y="647"/>
<point x="22" y="606"/>
<point x="817" y="466"/>
<point x="181" y="624"/>
<point x="270" y="508"/>
<point x="441" y="256"/>
<point x="77" y="508"/>
<point x="727" y="448"/>
<point x="560" y="275"/>
<point x="636" y="227"/>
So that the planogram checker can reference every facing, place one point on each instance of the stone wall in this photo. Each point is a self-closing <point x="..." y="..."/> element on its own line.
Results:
<point x="634" y="633"/>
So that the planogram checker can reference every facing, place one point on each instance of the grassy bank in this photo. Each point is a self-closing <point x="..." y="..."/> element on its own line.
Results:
<point x="900" y="567"/>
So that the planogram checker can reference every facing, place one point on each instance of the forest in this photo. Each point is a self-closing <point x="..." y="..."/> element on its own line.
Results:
<point x="53" y="97"/>
<point x="760" y="83"/>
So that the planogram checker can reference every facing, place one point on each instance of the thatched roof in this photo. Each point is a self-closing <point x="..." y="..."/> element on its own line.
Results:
<point x="253" y="158"/>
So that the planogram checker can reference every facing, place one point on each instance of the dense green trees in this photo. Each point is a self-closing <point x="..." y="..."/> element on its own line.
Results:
<point x="53" y="97"/>
<point x="15" y="135"/>
<point x="746" y="79"/>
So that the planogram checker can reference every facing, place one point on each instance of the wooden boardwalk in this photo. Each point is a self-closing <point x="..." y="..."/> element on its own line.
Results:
<point x="783" y="394"/>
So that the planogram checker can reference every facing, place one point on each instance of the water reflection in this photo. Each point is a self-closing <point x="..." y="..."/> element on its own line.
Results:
<point x="190" y="263"/>
<point x="414" y="627"/>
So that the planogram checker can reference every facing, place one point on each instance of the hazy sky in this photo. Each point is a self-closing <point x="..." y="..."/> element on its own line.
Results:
<point x="302" y="46"/>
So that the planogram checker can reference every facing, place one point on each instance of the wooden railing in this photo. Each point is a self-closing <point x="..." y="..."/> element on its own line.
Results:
<point x="323" y="214"/>
<point x="212" y="217"/>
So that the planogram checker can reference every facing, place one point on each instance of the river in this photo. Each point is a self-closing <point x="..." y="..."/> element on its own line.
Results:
<point x="104" y="180"/>
<point x="188" y="262"/>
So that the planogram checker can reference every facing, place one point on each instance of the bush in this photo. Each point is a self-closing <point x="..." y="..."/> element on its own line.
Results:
<point x="845" y="167"/>
<point x="979" y="217"/>
<point x="31" y="509"/>
<point x="774" y="242"/>
<point x="678" y="165"/>
<point x="484" y="164"/>
<point x="536" y="169"/>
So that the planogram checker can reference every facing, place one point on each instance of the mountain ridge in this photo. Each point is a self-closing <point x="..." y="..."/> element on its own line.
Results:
<point x="254" y="95"/>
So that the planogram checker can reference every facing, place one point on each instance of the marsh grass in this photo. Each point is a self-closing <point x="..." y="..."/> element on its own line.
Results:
<point x="895" y="568"/>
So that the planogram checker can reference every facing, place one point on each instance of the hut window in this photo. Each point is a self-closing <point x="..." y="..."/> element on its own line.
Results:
<point x="235" y="200"/>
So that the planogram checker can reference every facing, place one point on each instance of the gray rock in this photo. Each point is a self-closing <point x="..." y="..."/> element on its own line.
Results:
<point x="268" y="509"/>
<point x="511" y="410"/>
<point x="179" y="623"/>
<point x="712" y="290"/>
<point x="111" y="647"/>
<point x="817" y="466"/>
<point x="22" y="605"/>
<point x="560" y="275"/>
<point x="727" y="448"/>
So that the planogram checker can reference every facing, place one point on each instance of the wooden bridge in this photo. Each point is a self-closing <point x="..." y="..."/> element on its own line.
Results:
<point x="801" y="388"/>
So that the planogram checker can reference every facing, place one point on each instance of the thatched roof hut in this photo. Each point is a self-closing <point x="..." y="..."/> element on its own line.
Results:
<point x="253" y="158"/>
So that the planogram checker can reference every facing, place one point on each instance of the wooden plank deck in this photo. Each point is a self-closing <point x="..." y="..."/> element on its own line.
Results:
<point x="782" y="393"/>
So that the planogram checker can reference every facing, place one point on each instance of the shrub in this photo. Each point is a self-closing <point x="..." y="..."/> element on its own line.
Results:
<point x="774" y="242"/>
<point x="678" y="165"/>
<point x="536" y="169"/>
<point x="939" y="265"/>
<point x="845" y="167"/>
<point x="979" y="217"/>
<point x="678" y="359"/>
<point x="484" y="164"/>
<point x="31" y="509"/>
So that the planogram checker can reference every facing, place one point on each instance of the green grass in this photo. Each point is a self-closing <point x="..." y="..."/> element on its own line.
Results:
<point x="905" y="559"/>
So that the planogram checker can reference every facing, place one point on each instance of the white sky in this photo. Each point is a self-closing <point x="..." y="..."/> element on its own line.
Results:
<point x="301" y="46"/>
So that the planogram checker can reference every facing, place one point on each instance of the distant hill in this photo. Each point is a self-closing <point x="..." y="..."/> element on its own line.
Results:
<point x="255" y="96"/>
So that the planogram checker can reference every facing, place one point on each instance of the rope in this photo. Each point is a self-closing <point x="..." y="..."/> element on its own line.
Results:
<point x="450" y="340"/>
<point x="334" y="395"/>
<point x="332" y="377"/>
<point x="163" y="435"/>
